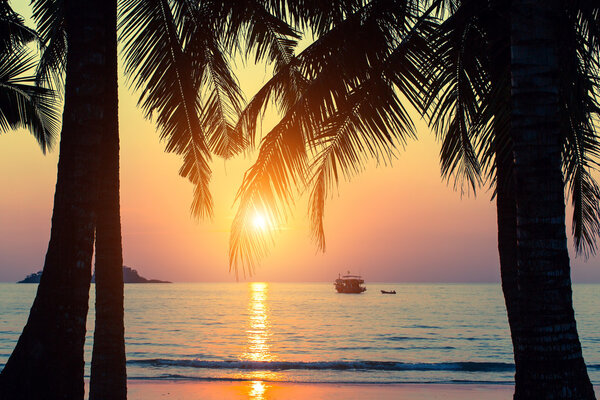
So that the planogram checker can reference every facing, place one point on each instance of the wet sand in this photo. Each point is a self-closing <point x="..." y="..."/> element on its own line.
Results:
<point x="257" y="390"/>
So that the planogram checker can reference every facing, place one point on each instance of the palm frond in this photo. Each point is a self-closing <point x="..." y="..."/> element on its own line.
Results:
<point x="370" y="123"/>
<point x="222" y="106"/>
<point x="13" y="32"/>
<point x="159" y="68"/>
<point x="284" y="89"/>
<point x="459" y="82"/>
<point x="362" y="37"/>
<point x="585" y="197"/>
<point x="22" y="103"/>
<point x="343" y="82"/>
<point x="586" y="14"/>
<point x="281" y="167"/>
<point x="49" y="16"/>
<point x="444" y="8"/>
<point x="263" y="31"/>
<point x="200" y="28"/>
<point x="320" y="16"/>
<point x="268" y="189"/>
<point x="494" y="142"/>
<point x="580" y="154"/>
<point x="580" y="107"/>
<point x="370" y="126"/>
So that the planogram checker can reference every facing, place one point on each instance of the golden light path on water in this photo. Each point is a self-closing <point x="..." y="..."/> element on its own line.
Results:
<point x="258" y="332"/>
<point x="257" y="390"/>
<point x="258" y="336"/>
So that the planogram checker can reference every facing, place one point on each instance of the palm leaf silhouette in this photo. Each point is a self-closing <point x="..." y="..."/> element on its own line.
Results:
<point x="22" y="103"/>
<point x="343" y="102"/>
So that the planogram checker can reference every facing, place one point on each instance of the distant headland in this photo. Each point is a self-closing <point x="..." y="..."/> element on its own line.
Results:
<point x="130" y="275"/>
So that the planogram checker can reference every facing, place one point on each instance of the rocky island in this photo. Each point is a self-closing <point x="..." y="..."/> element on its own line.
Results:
<point x="32" y="278"/>
<point x="130" y="275"/>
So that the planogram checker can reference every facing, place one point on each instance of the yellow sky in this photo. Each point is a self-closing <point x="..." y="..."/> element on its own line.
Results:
<point x="396" y="224"/>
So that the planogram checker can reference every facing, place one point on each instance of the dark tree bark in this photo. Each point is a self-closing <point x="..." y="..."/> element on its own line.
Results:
<point x="506" y="209"/>
<point x="550" y="362"/>
<point x="108" y="378"/>
<point x="47" y="362"/>
<point x="498" y="28"/>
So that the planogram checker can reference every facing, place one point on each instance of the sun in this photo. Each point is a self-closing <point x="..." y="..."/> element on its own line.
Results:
<point x="259" y="222"/>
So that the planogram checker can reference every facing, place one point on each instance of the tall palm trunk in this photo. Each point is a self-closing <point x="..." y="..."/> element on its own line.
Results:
<point x="47" y="362"/>
<point x="108" y="379"/>
<point x="506" y="205"/>
<point x="506" y="212"/>
<point x="550" y="365"/>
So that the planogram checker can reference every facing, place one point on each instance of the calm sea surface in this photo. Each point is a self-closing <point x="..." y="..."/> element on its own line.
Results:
<point x="309" y="333"/>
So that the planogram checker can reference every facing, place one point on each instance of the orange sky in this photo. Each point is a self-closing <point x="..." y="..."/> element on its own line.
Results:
<point x="391" y="224"/>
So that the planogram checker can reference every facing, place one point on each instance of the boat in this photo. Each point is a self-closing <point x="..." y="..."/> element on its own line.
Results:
<point x="388" y="292"/>
<point x="349" y="284"/>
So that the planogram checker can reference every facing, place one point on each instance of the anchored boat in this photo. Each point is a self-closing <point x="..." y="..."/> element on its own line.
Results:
<point x="349" y="284"/>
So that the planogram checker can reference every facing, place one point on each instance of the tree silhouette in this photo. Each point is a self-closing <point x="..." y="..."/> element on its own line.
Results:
<point x="48" y="359"/>
<point x="547" y="344"/>
<point x="463" y="81"/>
<point x="177" y="55"/>
<point x="475" y="41"/>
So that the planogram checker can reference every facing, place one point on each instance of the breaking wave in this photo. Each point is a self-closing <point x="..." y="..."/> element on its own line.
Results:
<point x="466" y="366"/>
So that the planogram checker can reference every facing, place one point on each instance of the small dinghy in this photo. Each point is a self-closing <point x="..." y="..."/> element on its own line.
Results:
<point x="388" y="292"/>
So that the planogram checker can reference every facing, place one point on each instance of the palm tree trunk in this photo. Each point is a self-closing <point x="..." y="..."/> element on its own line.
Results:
<point x="506" y="205"/>
<point x="108" y="378"/>
<point x="506" y="211"/>
<point x="48" y="362"/>
<point x="551" y="365"/>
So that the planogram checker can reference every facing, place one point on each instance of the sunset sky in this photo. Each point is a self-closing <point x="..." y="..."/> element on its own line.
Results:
<point x="400" y="224"/>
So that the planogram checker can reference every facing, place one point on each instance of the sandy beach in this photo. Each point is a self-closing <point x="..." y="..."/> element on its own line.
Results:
<point x="258" y="390"/>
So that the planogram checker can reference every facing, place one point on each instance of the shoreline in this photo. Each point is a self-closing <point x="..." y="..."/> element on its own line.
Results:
<point x="139" y="389"/>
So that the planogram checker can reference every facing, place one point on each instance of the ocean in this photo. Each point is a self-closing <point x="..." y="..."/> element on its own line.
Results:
<point x="306" y="332"/>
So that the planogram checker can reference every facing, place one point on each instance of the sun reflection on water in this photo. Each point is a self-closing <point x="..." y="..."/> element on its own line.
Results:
<point x="258" y="335"/>
<point x="257" y="390"/>
<point x="258" y="332"/>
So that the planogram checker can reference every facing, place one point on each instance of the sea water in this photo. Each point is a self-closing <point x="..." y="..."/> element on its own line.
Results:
<point x="306" y="332"/>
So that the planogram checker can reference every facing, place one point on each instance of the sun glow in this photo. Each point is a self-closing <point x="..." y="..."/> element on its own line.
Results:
<point x="259" y="222"/>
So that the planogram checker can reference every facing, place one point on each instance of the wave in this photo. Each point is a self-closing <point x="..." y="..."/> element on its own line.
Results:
<point x="464" y="366"/>
<point x="402" y="338"/>
<point x="179" y="377"/>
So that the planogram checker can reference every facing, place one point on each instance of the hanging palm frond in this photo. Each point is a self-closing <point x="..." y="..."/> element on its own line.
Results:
<point x="459" y="81"/>
<point x="370" y="123"/>
<point x="13" y="32"/>
<point x="199" y="26"/>
<point x="159" y="68"/>
<point x="349" y="108"/>
<point x="175" y="55"/>
<point x="261" y="29"/>
<point x="24" y="105"/>
<point x="268" y="189"/>
<point x="581" y="150"/>
<point x="485" y="140"/>
<point x="49" y="16"/>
